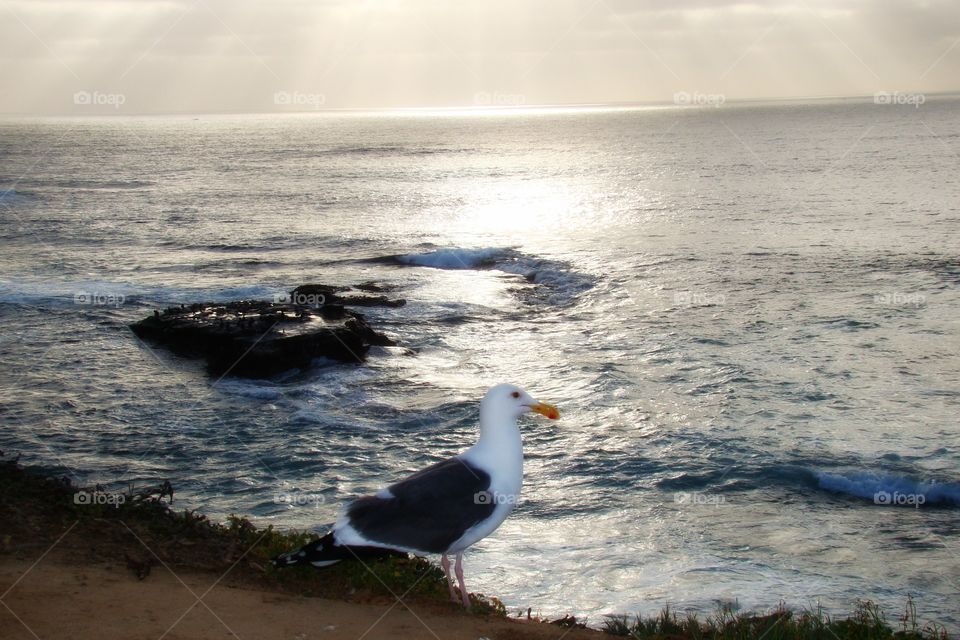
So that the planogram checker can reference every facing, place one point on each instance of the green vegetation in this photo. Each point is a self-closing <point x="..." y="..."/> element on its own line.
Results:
<point x="141" y="527"/>
<point x="402" y="577"/>
<point x="867" y="623"/>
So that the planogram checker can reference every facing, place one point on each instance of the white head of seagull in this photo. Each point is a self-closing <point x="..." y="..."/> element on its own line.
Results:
<point x="444" y="508"/>
<point x="508" y="401"/>
<point x="499" y="447"/>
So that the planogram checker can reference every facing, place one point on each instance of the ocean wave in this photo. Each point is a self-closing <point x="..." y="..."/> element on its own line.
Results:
<point x="42" y="185"/>
<point x="102" y="293"/>
<point x="11" y="195"/>
<point x="848" y="324"/>
<point x="456" y="258"/>
<point x="879" y="487"/>
<point x="258" y="390"/>
<point x="890" y="490"/>
<point x="97" y="185"/>
<point x="78" y="292"/>
<point x="558" y="281"/>
<point x="363" y="150"/>
<point x="264" y="243"/>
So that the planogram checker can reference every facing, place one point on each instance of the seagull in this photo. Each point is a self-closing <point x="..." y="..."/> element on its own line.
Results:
<point x="444" y="508"/>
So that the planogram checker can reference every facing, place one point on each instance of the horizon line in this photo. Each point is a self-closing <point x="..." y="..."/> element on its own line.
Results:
<point x="487" y="109"/>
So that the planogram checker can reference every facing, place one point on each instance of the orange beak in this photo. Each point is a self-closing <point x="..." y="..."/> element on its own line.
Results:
<point x="545" y="409"/>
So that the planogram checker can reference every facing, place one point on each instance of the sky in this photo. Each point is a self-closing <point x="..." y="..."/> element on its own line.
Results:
<point x="202" y="56"/>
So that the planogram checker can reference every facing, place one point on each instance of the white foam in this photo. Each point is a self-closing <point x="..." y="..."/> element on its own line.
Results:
<point x="113" y="293"/>
<point x="76" y="292"/>
<point x="890" y="489"/>
<point x="562" y="283"/>
<point x="453" y="258"/>
<point x="250" y="389"/>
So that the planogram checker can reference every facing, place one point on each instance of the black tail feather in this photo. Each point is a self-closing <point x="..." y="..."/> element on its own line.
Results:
<point x="325" y="551"/>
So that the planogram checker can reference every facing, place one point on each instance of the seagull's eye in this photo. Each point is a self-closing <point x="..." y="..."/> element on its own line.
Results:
<point x="515" y="394"/>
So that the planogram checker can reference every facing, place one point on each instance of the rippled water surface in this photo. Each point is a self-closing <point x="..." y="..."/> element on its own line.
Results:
<point x="748" y="317"/>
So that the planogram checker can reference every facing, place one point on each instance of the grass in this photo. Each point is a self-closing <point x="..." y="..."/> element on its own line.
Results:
<point x="141" y="527"/>
<point x="868" y="622"/>
<point x="402" y="577"/>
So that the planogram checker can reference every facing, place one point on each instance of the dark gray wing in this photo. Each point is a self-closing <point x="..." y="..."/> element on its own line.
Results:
<point x="429" y="511"/>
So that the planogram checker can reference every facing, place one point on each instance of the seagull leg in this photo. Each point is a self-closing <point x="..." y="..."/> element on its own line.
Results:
<point x="445" y="563"/>
<point x="463" y="587"/>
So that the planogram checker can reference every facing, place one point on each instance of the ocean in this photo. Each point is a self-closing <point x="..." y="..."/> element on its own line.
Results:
<point x="747" y="315"/>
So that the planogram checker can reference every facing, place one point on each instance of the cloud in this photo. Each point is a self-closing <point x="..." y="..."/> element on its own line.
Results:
<point x="233" y="55"/>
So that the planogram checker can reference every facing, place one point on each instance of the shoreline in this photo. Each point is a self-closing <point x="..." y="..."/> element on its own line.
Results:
<point x="118" y="566"/>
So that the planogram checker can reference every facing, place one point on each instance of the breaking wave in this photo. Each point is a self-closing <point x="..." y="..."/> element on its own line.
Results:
<point x="890" y="489"/>
<point x="558" y="282"/>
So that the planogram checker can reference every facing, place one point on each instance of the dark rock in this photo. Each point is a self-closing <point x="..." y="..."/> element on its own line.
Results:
<point x="258" y="339"/>
<point x="371" y="301"/>
<point x="568" y="622"/>
<point x="322" y="294"/>
<point x="323" y="290"/>
<point x="375" y="287"/>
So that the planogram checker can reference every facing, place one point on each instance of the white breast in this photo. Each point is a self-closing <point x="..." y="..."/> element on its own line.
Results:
<point x="502" y="458"/>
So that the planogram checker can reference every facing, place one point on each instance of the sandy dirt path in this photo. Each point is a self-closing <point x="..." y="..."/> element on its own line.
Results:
<point x="55" y="600"/>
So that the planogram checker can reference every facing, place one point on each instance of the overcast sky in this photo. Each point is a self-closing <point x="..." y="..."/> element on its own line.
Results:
<point x="156" y="56"/>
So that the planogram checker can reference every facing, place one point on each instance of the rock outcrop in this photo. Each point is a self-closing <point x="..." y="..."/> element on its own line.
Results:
<point x="258" y="339"/>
